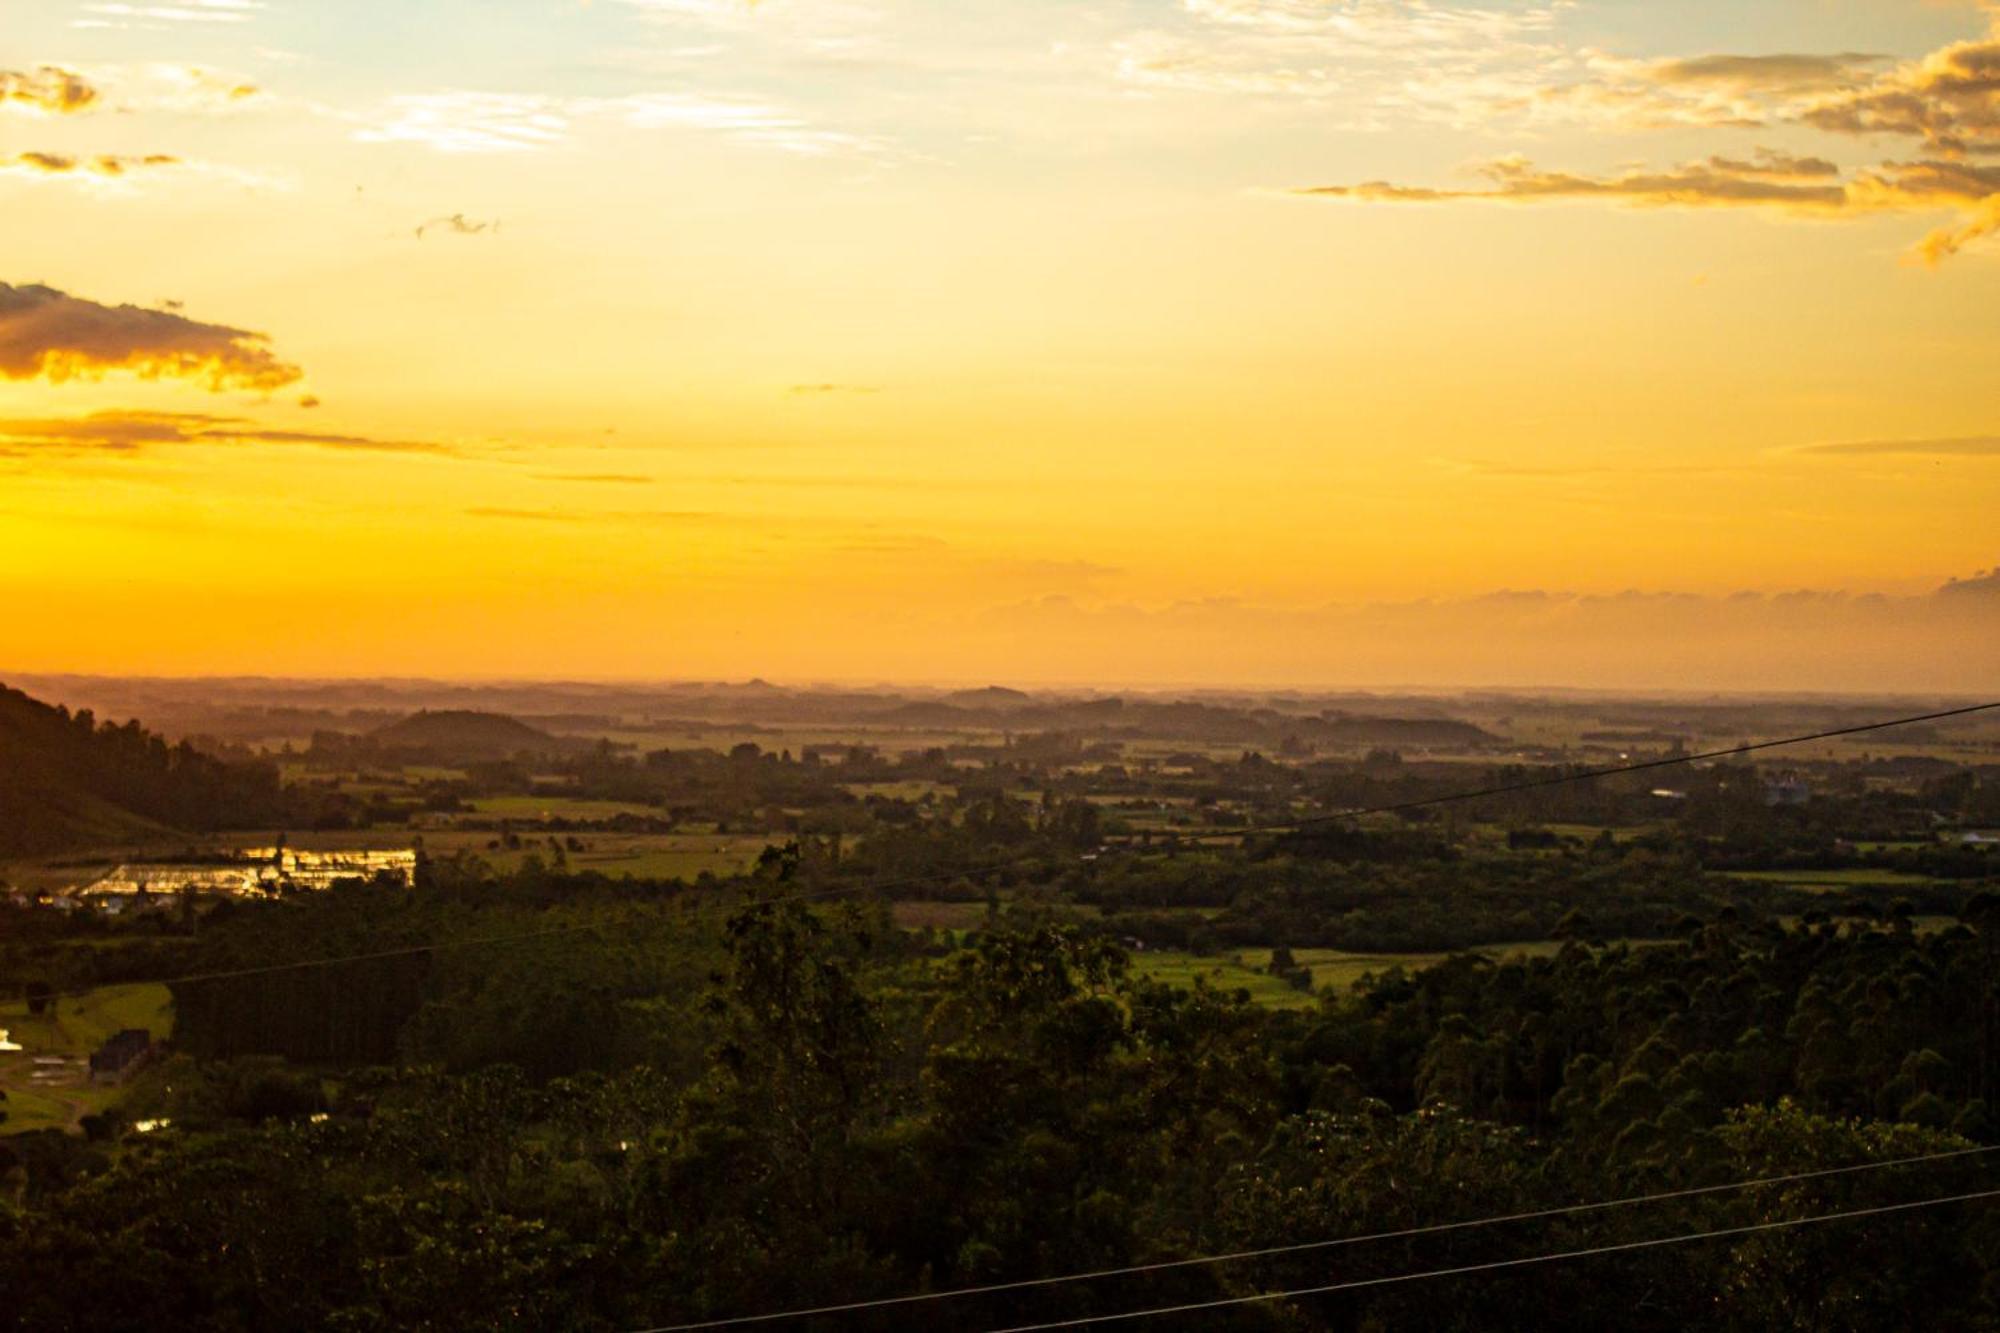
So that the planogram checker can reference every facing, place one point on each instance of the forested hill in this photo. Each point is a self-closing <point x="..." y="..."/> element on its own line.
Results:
<point x="67" y="781"/>
<point x="459" y="734"/>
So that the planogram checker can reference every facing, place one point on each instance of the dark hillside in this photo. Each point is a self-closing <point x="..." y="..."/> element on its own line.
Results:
<point x="67" y="781"/>
<point x="464" y="735"/>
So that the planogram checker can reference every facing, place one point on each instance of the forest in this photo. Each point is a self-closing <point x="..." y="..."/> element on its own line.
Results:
<point x="558" y="1102"/>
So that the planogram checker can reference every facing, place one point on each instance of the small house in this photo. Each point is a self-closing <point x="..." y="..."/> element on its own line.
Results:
<point x="122" y="1056"/>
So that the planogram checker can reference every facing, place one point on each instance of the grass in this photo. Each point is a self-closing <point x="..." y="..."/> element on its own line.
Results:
<point x="76" y="1028"/>
<point x="911" y="789"/>
<point x="1224" y="972"/>
<point x="672" y="855"/>
<point x="558" y="807"/>
<point x="1332" y="969"/>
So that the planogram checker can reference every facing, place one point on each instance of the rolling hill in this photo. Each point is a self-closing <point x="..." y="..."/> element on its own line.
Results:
<point x="460" y="736"/>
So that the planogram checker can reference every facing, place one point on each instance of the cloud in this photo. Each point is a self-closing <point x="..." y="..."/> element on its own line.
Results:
<point x="1986" y="583"/>
<point x="641" y="516"/>
<point x="47" y="334"/>
<point x="129" y="432"/>
<point x="1965" y="446"/>
<point x="61" y="164"/>
<point x="472" y="122"/>
<point x="484" y="122"/>
<point x="184" y="11"/>
<point x="49" y="89"/>
<point x="1770" y="164"/>
<point x="738" y="117"/>
<point x="809" y="390"/>
<point x="1764" y="73"/>
<point x="458" y="225"/>
<point x="1376" y="56"/>
<point x="1783" y="185"/>
<point x="597" y="478"/>
<point x="1950" y="99"/>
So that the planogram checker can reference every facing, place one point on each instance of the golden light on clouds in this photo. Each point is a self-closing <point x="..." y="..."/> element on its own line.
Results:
<point x="51" y="335"/>
<point x="865" y="338"/>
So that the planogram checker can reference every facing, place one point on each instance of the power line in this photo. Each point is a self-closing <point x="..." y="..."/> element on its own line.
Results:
<point x="1134" y="1270"/>
<point x="1585" y="775"/>
<point x="1497" y="1264"/>
<point x="947" y="876"/>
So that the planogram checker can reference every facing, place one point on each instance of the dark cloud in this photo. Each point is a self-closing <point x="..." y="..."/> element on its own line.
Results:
<point x="1986" y="583"/>
<point x="126" y="432"/>
<point x="49" y="88"/>
<point x="47" y="334"/>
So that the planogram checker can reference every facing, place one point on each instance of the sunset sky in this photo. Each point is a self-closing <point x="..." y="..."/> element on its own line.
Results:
<point x="1600" y="342"/>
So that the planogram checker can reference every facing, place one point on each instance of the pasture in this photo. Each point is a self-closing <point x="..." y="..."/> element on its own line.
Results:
<point x="70" y="1032"/>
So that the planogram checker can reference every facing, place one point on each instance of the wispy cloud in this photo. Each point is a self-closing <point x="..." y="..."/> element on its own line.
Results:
<point x="1779" y="186"/>
<point x="471" y="122"/>
<point x="62" y="164"/>
<point x="51" y="335"/>
<point x="111" y="15"/>
<point x="587" y="516"/>
<point x="457" y="225"/>
<point x="130" y="431"/>
<point x="822" y="390"/>
<point x="489" y="122"/>
<point x="1963" y="446"/>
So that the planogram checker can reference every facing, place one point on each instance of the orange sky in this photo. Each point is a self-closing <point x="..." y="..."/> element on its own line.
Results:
<point x="1257" y="341"/>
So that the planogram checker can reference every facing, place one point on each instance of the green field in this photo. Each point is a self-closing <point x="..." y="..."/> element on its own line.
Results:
<point x="1855" y="877"/>
<point x="1335" y="969"/>
<point x="75" y="1029"/>
<point x="558" y="807"/>
<point x="912" y="789"/>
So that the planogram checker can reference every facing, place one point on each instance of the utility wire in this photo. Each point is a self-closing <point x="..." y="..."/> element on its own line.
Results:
<point x="948" y="876"/>
<point x="1306" y="1246"/>
<point x="1585" y="775"/>
<point x="1498" y="1264"/>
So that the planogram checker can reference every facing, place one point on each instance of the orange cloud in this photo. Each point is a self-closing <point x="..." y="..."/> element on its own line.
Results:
<point x="51" y="335"/>
<point x="61" y="164"/>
